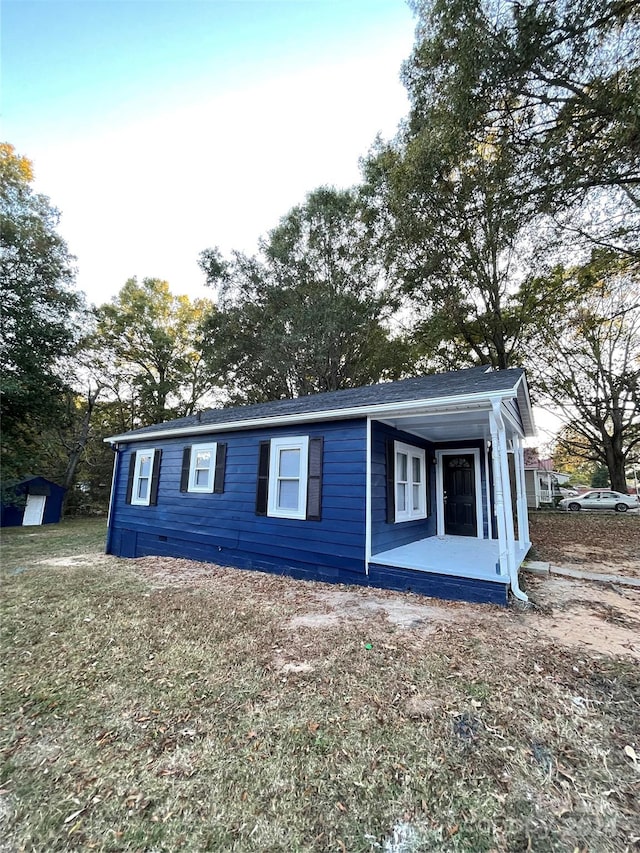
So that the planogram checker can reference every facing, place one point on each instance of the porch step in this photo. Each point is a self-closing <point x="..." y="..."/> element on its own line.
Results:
<point x="536" y="566"/>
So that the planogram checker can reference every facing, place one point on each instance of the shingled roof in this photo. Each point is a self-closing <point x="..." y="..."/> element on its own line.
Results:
<point x="475" y="380"/>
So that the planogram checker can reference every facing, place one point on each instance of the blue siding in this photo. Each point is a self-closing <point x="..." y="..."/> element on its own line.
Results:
<point x="439" y="586"/>
<point x="385" y="536"/>
<point x="223" y="528"/>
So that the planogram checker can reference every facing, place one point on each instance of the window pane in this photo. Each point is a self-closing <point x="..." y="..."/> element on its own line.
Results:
<point x="203" y="459"/>
<point x="288" y="494"/>
<point x="290" y="463"/>
<point x="417" y="469"/>
<point x="143" y="488"/>
<point x="145" y="466"/>
<point x="202" y="477"/>
<point x="401" y="497"/>
<point x="401" y="466"/>
<point x="416" y="496"/>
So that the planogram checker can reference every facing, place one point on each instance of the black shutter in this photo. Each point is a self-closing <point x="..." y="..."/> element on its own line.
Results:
<point x="391" y="481"/>
<point x="155" y="478"/>
<point x="262" y="490"/>
<point x="221" y="460"/>
<point x="132" y="469"/>
<point x="186" y="466"/>
<point x="314" y="480"/>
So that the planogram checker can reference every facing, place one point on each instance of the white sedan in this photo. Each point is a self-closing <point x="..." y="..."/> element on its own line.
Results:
<point x="601" y="500"/>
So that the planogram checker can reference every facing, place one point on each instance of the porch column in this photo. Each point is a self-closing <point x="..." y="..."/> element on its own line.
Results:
<point x="499" y="498"/>
<point x="523" y="515"/>
<point x="501" y="469"/>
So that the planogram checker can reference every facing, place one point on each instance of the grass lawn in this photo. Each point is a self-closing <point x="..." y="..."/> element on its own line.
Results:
<point x="150" y="712"/>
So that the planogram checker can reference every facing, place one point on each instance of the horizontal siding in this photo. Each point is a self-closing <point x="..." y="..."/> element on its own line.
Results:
<point x="439" y="586"/>
<point x="224" y="528"/>
<point x="385" y="536"/>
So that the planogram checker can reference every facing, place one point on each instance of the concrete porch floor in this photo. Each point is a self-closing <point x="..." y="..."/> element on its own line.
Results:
<point x="458" y="556"/>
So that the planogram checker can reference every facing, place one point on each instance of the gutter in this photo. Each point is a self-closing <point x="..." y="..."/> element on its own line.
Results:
<point x="391" y="409"/>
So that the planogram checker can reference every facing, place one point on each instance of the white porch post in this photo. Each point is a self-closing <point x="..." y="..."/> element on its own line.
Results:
<point x="523" y="512"/>
<point x="498" y="497"/>
<point x="504" y="506"/>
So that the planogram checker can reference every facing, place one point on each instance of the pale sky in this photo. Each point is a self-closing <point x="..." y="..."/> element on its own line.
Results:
<point x="162" y="127"/>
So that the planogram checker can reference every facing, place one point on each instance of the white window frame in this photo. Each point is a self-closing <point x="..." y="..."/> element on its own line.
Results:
<point x="298" y="442"/>
<point x="140" y="454"/>
<point x="200" y="448"/>
<point x="413" y="452"/>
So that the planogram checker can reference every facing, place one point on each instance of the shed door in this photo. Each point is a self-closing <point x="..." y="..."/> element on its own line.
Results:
<point x="460" y="495"/>
<point x="34" y="510"/>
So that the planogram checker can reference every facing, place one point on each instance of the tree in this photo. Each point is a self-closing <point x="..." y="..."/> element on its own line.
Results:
<point x="309" y="313"/>
<point x="589" y="364"/>
<point x="498" y="150"/>
<point x="150" y="344"/>
<point x="563" y="84"/>
<point x="40" y="317"/>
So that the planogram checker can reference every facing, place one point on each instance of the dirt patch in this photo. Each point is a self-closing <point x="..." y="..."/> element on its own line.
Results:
<point x="604" y="543"/>
<point x="601" y="618"/>
<point x="337" y="606"/>
<point x="75" y="561"/>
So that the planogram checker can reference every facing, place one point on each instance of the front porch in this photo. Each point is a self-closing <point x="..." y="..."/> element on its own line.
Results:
<point x="447" y="509"/>
<point x="459" y="556"/>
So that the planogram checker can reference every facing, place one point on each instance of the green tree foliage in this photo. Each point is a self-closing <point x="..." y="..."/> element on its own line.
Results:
<point x="588" y="364"/>
<point x="560" y="81"/>
<point x="523" y="117"/>
<point x="309" y="313"/>
<point x="600" y="478"/>
<point x="148" y="352"/>
<point x="40" y="315"/>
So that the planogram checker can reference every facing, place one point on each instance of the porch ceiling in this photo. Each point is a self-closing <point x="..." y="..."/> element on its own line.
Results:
<point x="441" y="427"/>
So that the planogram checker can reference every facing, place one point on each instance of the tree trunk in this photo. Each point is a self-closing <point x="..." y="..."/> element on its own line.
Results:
<point x="75" y="454"/>
<point x="615" y="465"/>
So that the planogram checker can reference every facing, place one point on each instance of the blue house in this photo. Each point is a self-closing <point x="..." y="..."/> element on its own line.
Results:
<point x="37" y="501"/>
<point x="411" y="485"/>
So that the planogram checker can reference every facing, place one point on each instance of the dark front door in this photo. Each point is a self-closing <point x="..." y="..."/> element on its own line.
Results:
<point x="460" y="495"/>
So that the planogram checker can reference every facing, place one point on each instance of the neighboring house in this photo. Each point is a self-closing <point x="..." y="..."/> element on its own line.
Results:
<point x="542" y="482"/>
<point x="402" y="485"/>
<point x="38" y="501"/>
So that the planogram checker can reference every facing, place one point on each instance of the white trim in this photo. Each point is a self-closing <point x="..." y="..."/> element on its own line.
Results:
<point x="377" y="411"/>
<point x="367" y="509"/>
<point x="112" y="494"/>
<point x="508" y="558"/>
<point x="37" y="502"/>
<point x="296" y="442"/>
<point x="459" y="451"/>
<point x="211" y="448"/>
<point x="412" y="452"/>
<point x="488" y="482"/>
<point x="517" y="428"/>
<point x="135" y="500"/>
